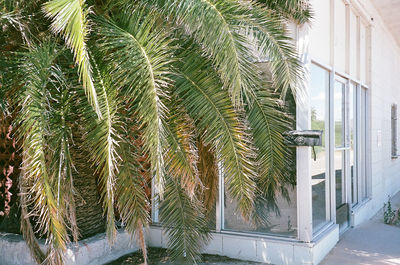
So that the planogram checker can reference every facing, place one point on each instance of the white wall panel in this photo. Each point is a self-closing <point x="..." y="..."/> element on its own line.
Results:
<point x="363" y="52"/>
<point x="340" y="51"/>
<point x="320" y="37"/>
<point x="353" y="45"/>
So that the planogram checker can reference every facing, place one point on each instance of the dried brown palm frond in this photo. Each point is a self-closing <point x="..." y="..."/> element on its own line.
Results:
<point x="208" y="172"/>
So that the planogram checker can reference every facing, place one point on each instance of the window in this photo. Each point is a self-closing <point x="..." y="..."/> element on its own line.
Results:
<point x="277" y="216"/>
<point x="363" y="144"/>
<point x="339" y="77"/>
<point x="319" y="171"/>
<point x="268" y="221"/>
<point x="339" y="170"/>
<point x="394" y="130"/>
<point x="353" y="111"/>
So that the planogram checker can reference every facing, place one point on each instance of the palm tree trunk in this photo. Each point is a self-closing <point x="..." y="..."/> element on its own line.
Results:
<point x="89" y="213"/>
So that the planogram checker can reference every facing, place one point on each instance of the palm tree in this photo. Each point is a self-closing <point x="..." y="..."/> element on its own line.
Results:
<point x="143" y="93"/>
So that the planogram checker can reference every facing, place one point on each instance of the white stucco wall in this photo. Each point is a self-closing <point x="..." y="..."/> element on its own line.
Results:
<point x="375" y="63"/>
<point x="384" y="91"/>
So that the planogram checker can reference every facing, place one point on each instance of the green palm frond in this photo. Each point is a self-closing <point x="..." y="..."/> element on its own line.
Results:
<point x="215" y="25"/>
<point x="140" y="55"/>
<point x="18" y="22"/>
<point x="274" y="43"/>
<point x="60" y="142"/>
<point x="12" y="18"/>
<point x="295" y="10"/>
<point x="132" y="202"/>
<point x="34" y="120"/>
<point x="103" y="140"/>
<point x="70" y="19"/>
<point x="3" y="100"/>
<point x="220" y="126"/>
<point x="268" y="122"/>
<point x="185" y="224"/>
<point x="181" y="157"/>
<point x="26" y="226"/>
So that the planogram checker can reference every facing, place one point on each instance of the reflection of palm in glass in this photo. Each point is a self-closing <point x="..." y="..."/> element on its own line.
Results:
<point x="319" y="86"/>
<point x="339" y="133"/>
<point x="318" y="125"/>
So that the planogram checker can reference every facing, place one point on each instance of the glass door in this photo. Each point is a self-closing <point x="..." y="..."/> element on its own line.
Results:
<point x="342" y="150"/>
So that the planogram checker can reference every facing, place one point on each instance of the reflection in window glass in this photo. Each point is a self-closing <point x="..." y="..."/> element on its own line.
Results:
<point x="318" y="96"/>
<point x="353" y="142"/>
<point x="339" y="176"/>
<point x="363" y="144"/>
<point x="339" y="118"/>
<point x="278" y="221"/>
<point x="282" y="223"/>
<point x="339" y="106"/>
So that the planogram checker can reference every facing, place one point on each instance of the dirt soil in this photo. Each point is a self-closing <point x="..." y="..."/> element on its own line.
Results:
<point x="159" y="256"/>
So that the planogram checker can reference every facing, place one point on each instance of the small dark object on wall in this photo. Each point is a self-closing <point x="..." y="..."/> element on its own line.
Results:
<point x="303" y="138"/>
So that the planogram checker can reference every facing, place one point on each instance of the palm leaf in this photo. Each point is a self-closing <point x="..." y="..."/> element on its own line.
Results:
<point x="104" y="138"/>
<point x="60" y="142"/>
<point x="140" y="55"/>
<point x="132" y="201"/>
<point x="208" y="173"/>
<point x="294" y="10"/>
<point x="215" y="26"/>
<point x="220" y="126"/>
<point x="184" y="222"/>
<point x="181" y="156"/>
<point x="34" y="119"/>
<point x="70" y="19"/>
<point x="268" y="122"/>
<point x="26" y="226"/>
<point x="274" y="43"/>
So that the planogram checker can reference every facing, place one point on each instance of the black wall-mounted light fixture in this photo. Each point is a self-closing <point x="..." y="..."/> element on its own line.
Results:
<point x="303" y="138"/>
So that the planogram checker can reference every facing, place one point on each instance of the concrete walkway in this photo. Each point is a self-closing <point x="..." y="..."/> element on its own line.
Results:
<point x="371" y="243"/>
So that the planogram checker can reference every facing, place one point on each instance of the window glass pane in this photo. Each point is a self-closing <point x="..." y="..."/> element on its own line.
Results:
<point x="342" y="207"/>
<point x="318" y="98"/>
<point x="353" y="141"/>
<point x="281" y="222"/>
<point x="363" y="145"/>
<point x="339" y="106"/>
<point x="276" y="217"/>
<point x="341" y="118"/>
<point x="339" y="176"/>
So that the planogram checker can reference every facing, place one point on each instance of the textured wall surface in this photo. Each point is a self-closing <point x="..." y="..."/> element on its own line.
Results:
<point x="384" y="91"/>
<point x="91" y="251"/>
<point x="375" y="60"/>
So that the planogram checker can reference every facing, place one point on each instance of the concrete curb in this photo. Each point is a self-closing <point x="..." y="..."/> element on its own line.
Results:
<point x="91" y="251"/>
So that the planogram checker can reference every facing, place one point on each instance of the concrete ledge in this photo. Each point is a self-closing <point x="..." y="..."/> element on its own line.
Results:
<point x="92" y="251"/>
<point x="325" y="244"/>
<point x="260" y="249"/>
<point x="363" y="212"/>
<point x="96" y="250"/>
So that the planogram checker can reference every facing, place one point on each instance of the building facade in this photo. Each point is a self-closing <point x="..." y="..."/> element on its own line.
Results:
<point x="351" y="51"/>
